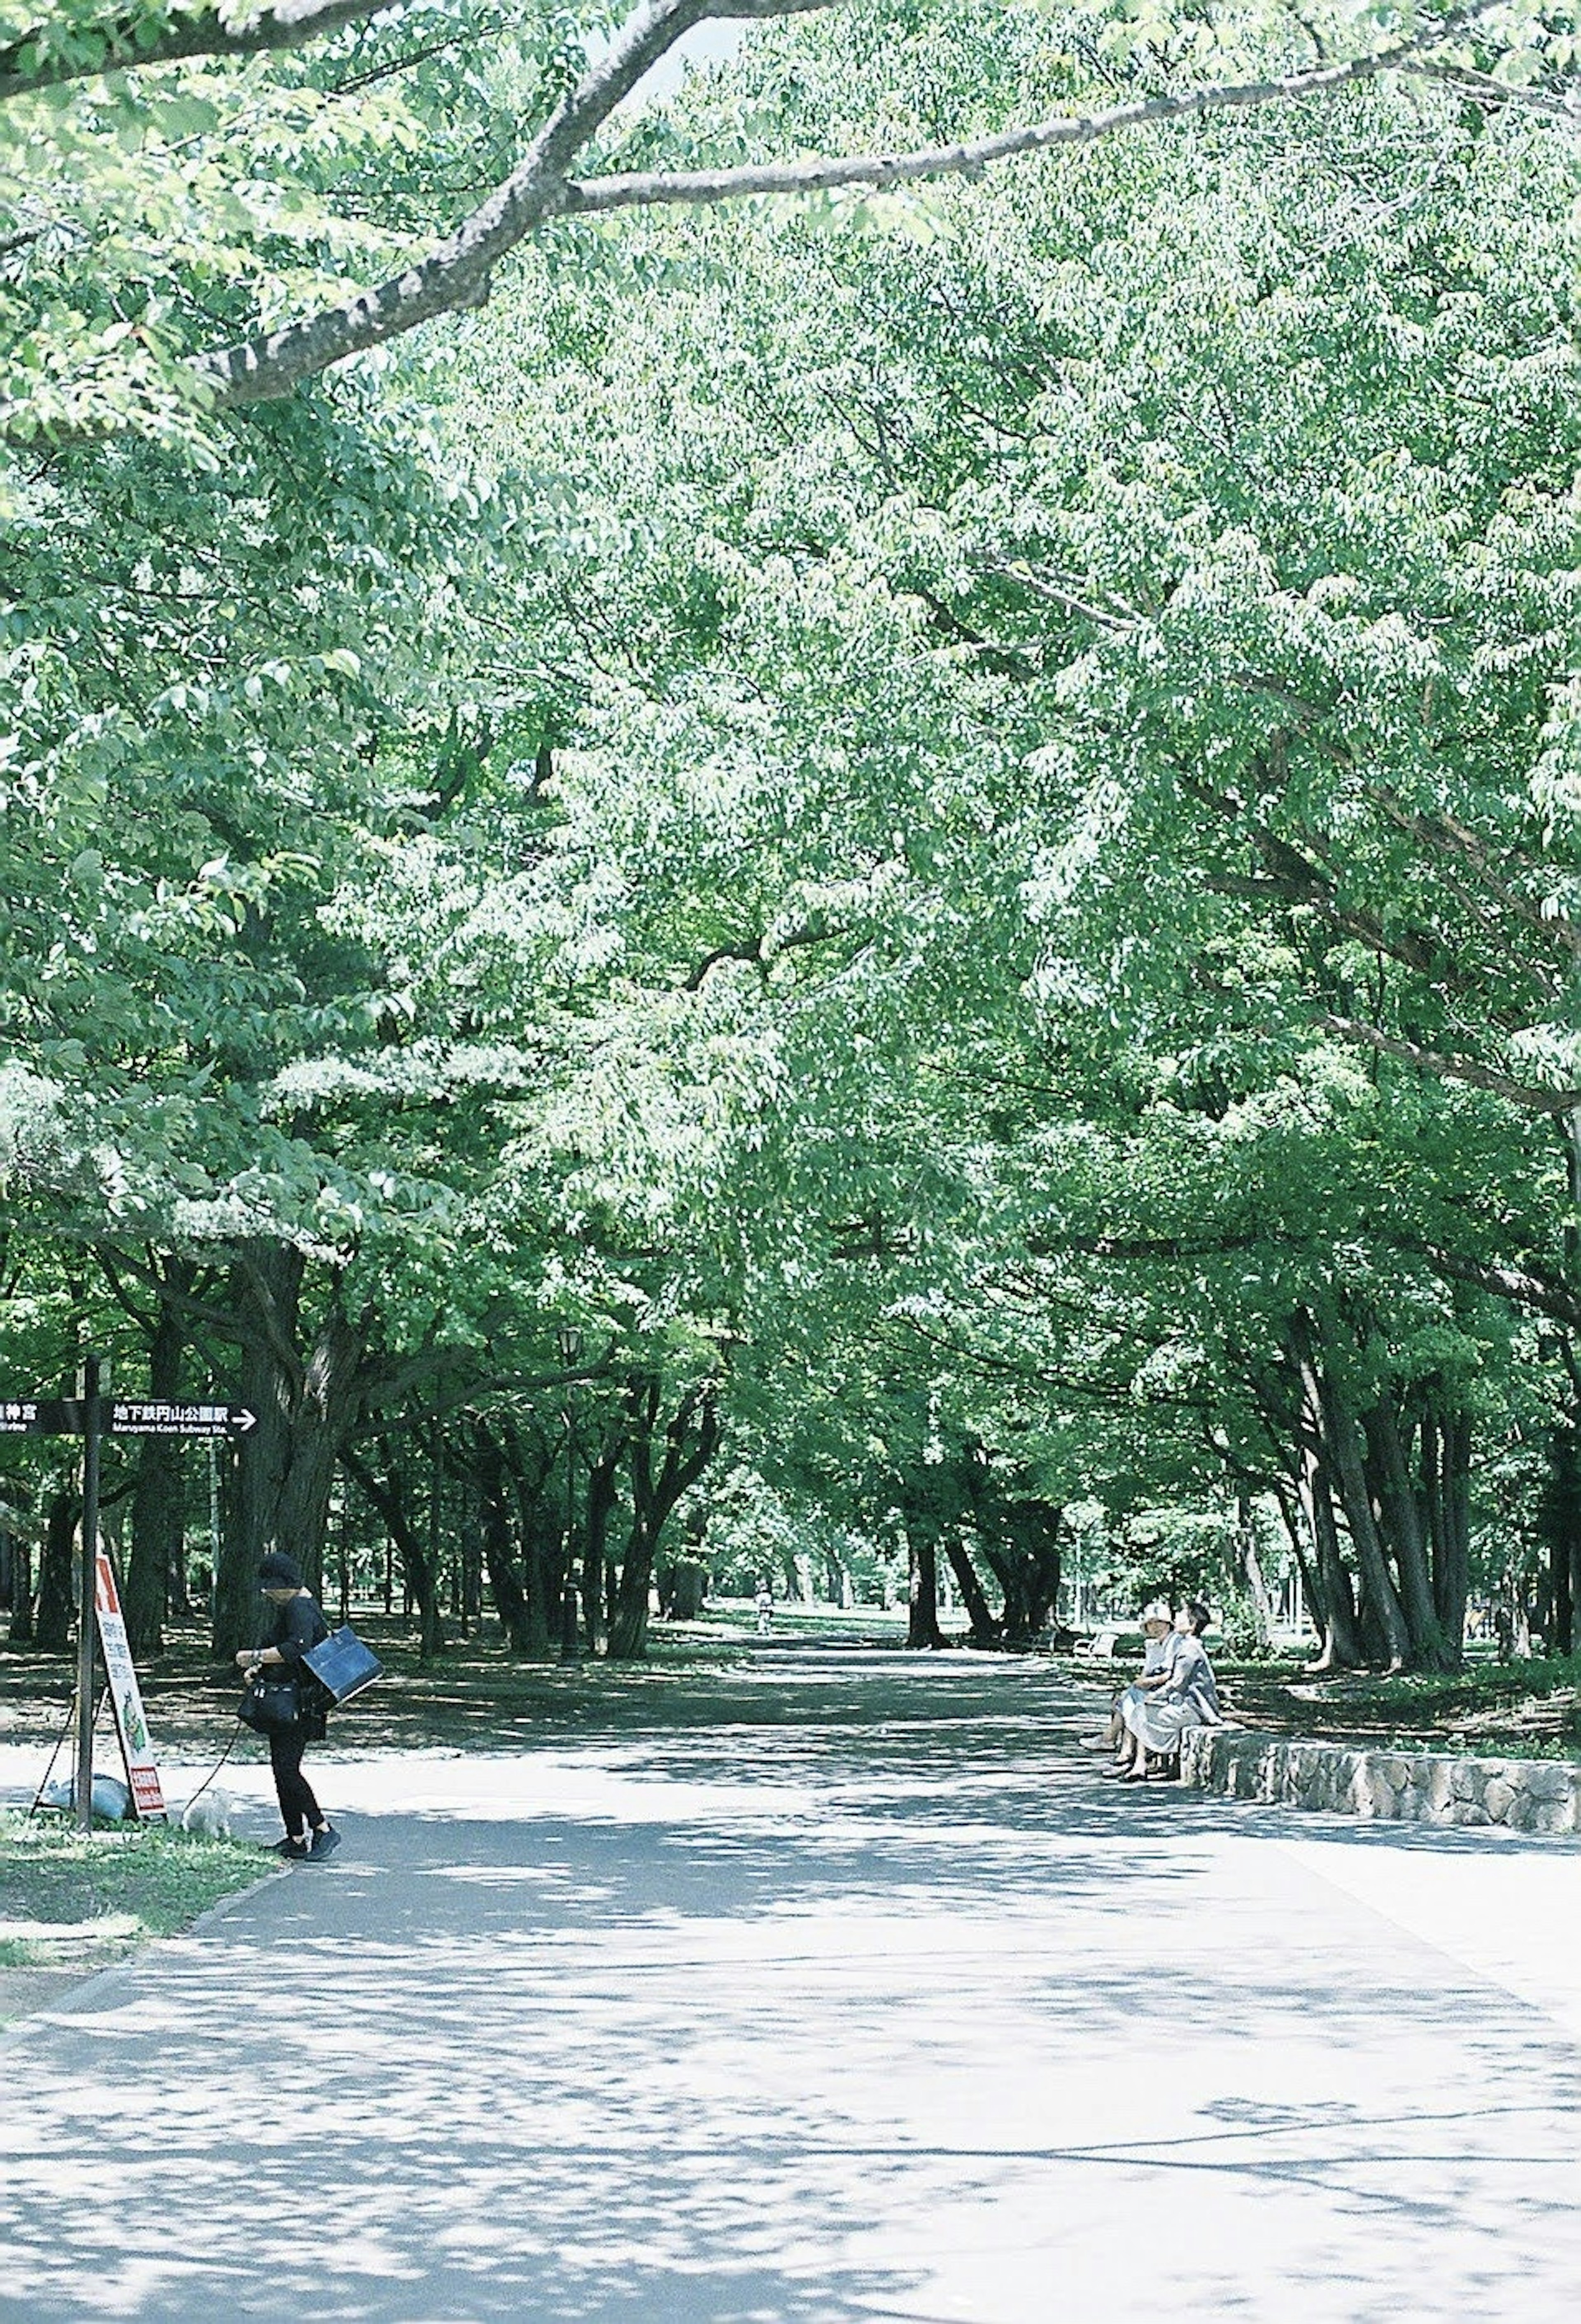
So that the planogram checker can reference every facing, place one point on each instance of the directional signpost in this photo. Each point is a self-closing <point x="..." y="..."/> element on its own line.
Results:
<point x="93" y="1415"/>
<point x="67" y="1415"/>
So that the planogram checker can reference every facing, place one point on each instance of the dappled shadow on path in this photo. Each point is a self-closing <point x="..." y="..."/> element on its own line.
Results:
<point x="907" y="2018"/>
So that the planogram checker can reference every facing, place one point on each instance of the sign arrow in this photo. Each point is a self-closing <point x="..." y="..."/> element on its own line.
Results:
<point x="38" y="1416"/>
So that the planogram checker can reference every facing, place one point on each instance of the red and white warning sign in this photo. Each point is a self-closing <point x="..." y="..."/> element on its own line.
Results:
<point x="148" y="1800"/>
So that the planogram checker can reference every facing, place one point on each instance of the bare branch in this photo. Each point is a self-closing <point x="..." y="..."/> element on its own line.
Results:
<point x="1041" y="584"/>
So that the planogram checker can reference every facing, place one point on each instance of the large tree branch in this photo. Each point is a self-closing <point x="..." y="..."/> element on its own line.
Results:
<point x="1518" y="1285"/>
<point x="130" y="38"/>
<point x="1564" y="102"/>
<point x="455" y="273"/>
<point x="645" y="189"/>
<point x="1454" y="841"/>
<point x="1295" y="877"/>
<point x="1445" y="1068"/>
<point x="1148" y="1247"/>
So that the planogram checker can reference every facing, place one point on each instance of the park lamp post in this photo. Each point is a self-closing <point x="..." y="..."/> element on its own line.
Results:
<point x="569" y="1338"/>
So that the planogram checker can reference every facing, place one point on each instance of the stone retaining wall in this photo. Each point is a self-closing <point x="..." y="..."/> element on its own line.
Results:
<point x="1542" y="1795"/>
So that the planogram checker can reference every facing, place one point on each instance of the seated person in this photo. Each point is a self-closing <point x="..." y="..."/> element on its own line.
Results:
<point x="1155" y="1721"/>
<point x="1156" y="1657"/>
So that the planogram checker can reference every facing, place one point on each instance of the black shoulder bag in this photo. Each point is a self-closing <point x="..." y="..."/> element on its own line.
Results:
<point x="273" y="1700"/>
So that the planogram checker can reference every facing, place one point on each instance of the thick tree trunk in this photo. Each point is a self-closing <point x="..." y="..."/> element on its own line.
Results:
<point x="287" y="1462"/>
<point x="922" y="1614"/>
<point x="1446" y="1471"/>
<point x="53" y="1619"/>
<point x="1026" y="1562"/>
<point x="1400" y="1516"/>
<point x="529" y="1462"/>
<point x="690" y="1442"/>
<point x="504" y="1581"/>
<point x="1342" y="1459"/>
<point x="158" y="1502"/>
<point x="984" y="1627"/>
<point x="1333" y="1600"/>
<point x="266" y="1286"/>
<point x="324" y="1409"/>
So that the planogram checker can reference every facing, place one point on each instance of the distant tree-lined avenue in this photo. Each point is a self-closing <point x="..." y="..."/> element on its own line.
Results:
<point x="855" y="865"/>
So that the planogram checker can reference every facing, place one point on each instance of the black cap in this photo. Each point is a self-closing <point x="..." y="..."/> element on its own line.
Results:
<point x="279" y="1572"/>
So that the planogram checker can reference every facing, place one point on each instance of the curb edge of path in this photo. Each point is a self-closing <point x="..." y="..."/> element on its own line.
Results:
<point x="68" y="1999"/>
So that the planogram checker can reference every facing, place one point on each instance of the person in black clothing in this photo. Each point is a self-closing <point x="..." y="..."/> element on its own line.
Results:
<point x="297" y="1627"/>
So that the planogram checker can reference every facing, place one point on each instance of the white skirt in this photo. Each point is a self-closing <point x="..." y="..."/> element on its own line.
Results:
<point x="1158" y="1724"/>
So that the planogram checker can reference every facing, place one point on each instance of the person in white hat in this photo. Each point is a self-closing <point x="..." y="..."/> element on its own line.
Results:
<point x="1157" y="1630"/>
<point x="1156" y="1716"/>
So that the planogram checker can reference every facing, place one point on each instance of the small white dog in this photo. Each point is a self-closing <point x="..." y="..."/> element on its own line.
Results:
<point x="209" y="1813"/>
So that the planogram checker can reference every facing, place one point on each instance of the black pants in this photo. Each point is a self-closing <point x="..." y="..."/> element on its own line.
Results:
<point x="298" y="1807"/>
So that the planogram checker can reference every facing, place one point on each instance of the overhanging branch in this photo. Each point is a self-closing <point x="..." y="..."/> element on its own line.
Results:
<point x="645" y="189"/>
<point x="1518" y="1285"/>
<point x="127" y="41"/>
<point x="455" y="273"/>
<point x="1446" y="1067"/>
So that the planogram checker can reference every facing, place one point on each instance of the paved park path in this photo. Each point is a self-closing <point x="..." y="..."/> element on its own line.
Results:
<point x="882" y="2005"/>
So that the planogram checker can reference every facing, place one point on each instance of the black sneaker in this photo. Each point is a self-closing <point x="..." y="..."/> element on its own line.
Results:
<point x="295" y="1851"/>
<point x="324" y="1842"/>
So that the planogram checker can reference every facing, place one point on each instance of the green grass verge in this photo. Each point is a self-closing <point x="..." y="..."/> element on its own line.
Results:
<point x="69" y="1897"/>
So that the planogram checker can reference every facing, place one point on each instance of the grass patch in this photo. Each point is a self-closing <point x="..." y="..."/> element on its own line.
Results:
<point x="1525" y="1710"/>
<point x="73" y="1899"/>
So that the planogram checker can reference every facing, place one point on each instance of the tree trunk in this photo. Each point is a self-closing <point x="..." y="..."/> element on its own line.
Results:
<point x="265" y="1291"/>
<point x="177" y="1595"/>
<point x="21" y="1633"/>
<point x="1400" y="1515"/>
<point x="53" y="1619"/>
<point x="604" y="1487"/>
<point x="1026" y="1561"/>
<point x="1559" y="1517"/>
<point x="1446" y="1463"/>
<point x="324" y="1412"/>
<point x="1249" y="1568"/>
<point x="287" y="1462"/>
<point x="1342" y="1459"/>
<point x="922" y="1616"/>
<point x="530" y="1463"/>
<point x="387" y="1496"/>
<point x="1306" y="1567"/>
<point x="1333" y="1601"/>
<point x="504" y="1581"/>
<point x="983" y="1629"/>
<point x="690" y="1443"/>
<point x="158" y="1502"/>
